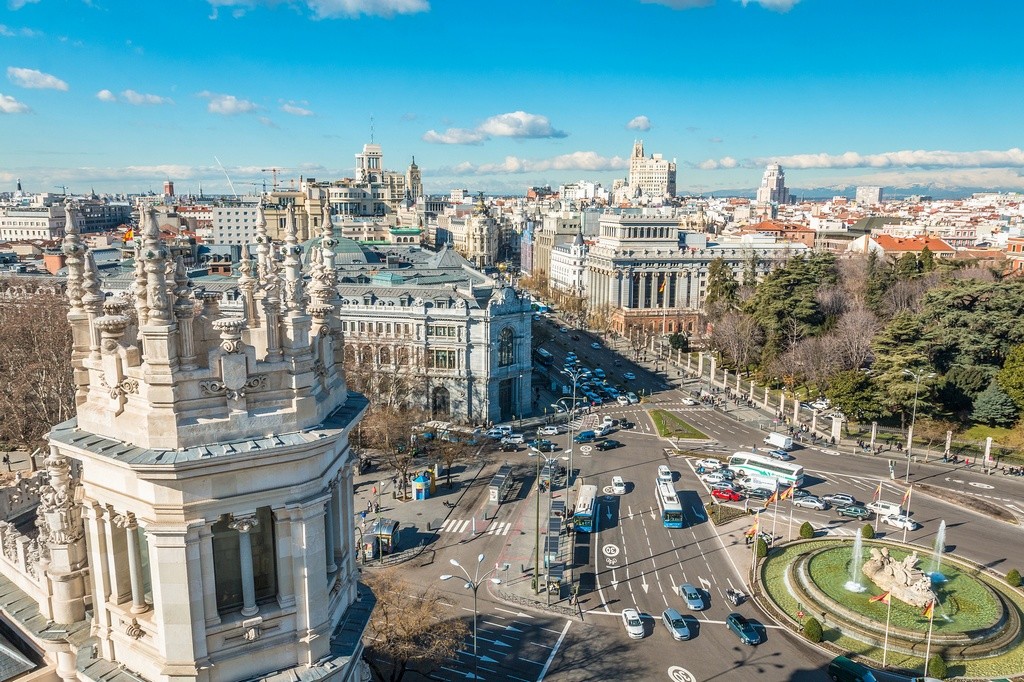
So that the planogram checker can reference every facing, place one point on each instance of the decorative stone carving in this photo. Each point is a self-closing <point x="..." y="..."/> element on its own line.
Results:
<point x="217" y="387"/>
<point x="230" y="329"/>
<point x="134" y="630"/>
<point x="243" y="524"/>
<point x="57" y="507"/>
<point x="901" y="578"/>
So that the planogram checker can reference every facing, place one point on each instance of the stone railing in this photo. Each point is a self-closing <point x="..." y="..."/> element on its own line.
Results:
<point x="20" y="496"/>
<point x="21" y="561"/>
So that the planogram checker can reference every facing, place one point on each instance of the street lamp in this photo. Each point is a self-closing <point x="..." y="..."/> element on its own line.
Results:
<point x="913" y="417"/>
<point x="474" y="583"/>
<point x="575" y="375"/>
<point x="536" y="545"/>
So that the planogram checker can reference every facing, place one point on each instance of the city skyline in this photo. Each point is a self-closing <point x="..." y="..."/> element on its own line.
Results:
<point x="117" y="97"/>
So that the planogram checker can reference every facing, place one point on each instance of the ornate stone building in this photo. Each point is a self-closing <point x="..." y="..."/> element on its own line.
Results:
<point x="197" y="519"/>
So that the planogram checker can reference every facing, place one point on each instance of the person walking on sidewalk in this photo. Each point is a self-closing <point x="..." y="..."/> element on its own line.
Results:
<point x="7" y="461"/>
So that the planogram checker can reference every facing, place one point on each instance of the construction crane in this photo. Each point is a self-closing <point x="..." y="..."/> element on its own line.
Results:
<point x="62" y="187"/>
<point x="273" y="173"/>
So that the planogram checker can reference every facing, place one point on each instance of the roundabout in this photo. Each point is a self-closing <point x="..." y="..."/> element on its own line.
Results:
<point x="975" y="625"/>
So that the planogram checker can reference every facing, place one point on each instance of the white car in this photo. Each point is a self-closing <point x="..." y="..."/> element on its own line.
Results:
<point x="810" y="502"/>
<point x="618" y="485"/>
<point x="665" y="474"/>
<point x="595" y="345"/>
<point x="548" y="431"/>
<point x="633" y="400"/>
<point x="709" y="463"/>
<point x="629" y="376"/>
<point x="631" y="621"/>
<point x="622" y="400"/>
<point x="901" y="521"/>
<point x="689" y="401"/>
<point x="514" y="439"/>
<point x="713" y="477"/>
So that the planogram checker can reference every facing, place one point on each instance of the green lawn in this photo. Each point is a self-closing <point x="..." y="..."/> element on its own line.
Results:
<point x="671" y="426"/>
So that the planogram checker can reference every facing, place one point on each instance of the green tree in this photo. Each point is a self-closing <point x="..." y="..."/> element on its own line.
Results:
<point x="679" y="341"/>
<point x="906" y="267"/>
<point x="961" y="385"/>
<point x="853" y="394"/>
<point x="812" y="630"/>
<point x="1011" y="377"/>
<point x="937" y="667"/>
<point x="1013" y="578"/>
<point x="878" y="280"/>
<point x="927" y="260"/>
<point x="722" y="288"/>
<point x="994" y="408"/>
<point x="762" y="548"/>
<point x="806" y="530"/>
<point x="867" y="531"/>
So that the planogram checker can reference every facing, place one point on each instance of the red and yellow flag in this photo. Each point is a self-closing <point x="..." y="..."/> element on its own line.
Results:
<point x="774" y="497"/>
<point x="884" y="597"/>
<point x="129" y="235"/>
<point x="788" y="492"/>
<point x="663" y="283"/>
<point x="878" y="493"/>
<point x="906" y="497"/>
<point x="929" y="611"/>
<point x="753" y="529"/>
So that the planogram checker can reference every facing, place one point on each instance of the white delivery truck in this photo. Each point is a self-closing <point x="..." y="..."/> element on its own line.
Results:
<point x="779" y="440"/>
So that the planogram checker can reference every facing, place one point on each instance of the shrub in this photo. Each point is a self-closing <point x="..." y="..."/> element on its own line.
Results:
<point x="1013" y="578"/>
<point x="937" y="667"/>
<point x="806" y="530"/>
<point x="867" y="532"/>
<point x="812" y="630"/>
<point x="762" y="548"/>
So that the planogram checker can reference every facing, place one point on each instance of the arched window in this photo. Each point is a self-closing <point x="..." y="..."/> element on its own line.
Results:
<point x="385" y="355"/>
<point x="506" y="347"/>
<point x="440" y="403"/>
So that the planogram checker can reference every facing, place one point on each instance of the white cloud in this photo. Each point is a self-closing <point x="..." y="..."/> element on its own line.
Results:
<point x="902" y="159"/>
<point x="944" y="179"/>
<point x="716" y="164"/>
<point x="639" y="123"/>
<point x="680" y="4"/>
<point x="139" y="99"/>
<point x="335" y="9"/>
<point x="227" y="105"/>
<point x="584" y="161"/>
<point x="454" y="136"/>
<point x="18" y="4"/>
<point x="264" y="120"/>
<point x="295" y="110"/>
<point x="37" y="80"/>
<point x="9" y="105"/>
<point x="519" y="124"/>
<point x="106" y="96"/>
<point x="775" y="5"/>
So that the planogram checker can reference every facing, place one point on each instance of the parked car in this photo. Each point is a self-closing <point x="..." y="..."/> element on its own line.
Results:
<point x="618" y="485"/>
<point x="742" y="628"/>
<point x="758" y="494"/>
<point x="842" y="499"/>
<point x="709" y="463"/>
<point x="622" y="400"/>
<point x="608" y="444"/>
<point x="631" y="621"/>
<point x="516" y="438"/>
<point x="727" y="495"/>
<point x="551" y="430"/>
<point x="675" y="625"/>
<point x="585" y="437"/>
<point x="629" y="376"/>
<point x="901" y="521"/>
<point x="713" y="477"/>
<point x="854" y="511"/>
<point x="811" y="502"/>
<point x="724" y="485"/>
<point x="693" y="598"/>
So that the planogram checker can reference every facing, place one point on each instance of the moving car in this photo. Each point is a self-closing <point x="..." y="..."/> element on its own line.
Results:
<point x="780" y="455"/>
<point x="727" y="495"/>
<point x="608" y="444"/>
<point x="548" y="431"/>
<point x="633" y="399"/>
<point x="675" y="624"/>
<point x="693" y="598"/>
<point x="544" y="445"/>
<point x="901" y="521"/>
<point x="516" y="438"/>
<point x="689" y="401"/>
<point x="508" y="447"/>
<point x="618" y="485"/>
<point x="564" y="330"/>
<point x="843" y="499"/>
<point x="742" y="628"/>
<point x="779" y="440"/>
<point x="595" y="345"/>
<point x="665" y="474"/>
<point x="810" y="502"/>
<point x="854" y="511"/>
<point x="629" y="376"/>
<point x="842" y="669"/>
<point x="625" y="425"/>
<point x="585" y="437"/>
<point x="631" y="621"/>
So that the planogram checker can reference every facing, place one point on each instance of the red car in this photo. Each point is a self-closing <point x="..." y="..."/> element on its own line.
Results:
<point x="727" y="495"/>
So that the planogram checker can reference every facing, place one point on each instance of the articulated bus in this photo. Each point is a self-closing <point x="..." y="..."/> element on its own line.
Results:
<point x="585" y="512"/>
<point x="766" y="472"/>
<point x="671" y="508"/>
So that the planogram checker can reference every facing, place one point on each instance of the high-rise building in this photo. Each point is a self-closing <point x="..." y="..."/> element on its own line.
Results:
<point x="773" y="186"/>
<point x="197" y="523"/>
<point x="651" y="178"/>
<point x="869" y="195"/>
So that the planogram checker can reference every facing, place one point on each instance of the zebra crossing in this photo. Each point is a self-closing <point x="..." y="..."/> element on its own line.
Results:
<point x="482" y="527"/>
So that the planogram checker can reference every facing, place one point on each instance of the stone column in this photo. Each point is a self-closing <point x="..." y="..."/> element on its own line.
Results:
<point x="782" y="404"/>
<point x="700" y="365"/>
<point x="285" y="559"/>
<point x="765" y="403"/>
<point x="130" y="525"/>
<point x="814" y="421"/>
<point x="711" y="381"/>
<point x="796" y="410"/>
<point x="331" y="528"/>
<point x="208" y="573"/>
<point x="244" y="524"/>
<point x="725" y="378"/>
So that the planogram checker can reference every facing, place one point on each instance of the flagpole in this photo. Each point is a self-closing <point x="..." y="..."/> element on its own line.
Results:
<point x="791" y="524"/>
<point x="775" y="512"/>
<point x="874" y="498"/>
<point x="753" y="553"/>
<point x="909" y="494"/>
<point x="928" y="647"/>
<point x="885" y="646"/>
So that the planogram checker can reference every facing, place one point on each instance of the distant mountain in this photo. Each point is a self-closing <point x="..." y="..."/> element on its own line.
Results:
<point x="824" y="193"/>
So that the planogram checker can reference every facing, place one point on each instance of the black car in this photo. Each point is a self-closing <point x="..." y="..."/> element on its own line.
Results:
<point x="608" y="444"/>
<point x="854" y="511"/>
<point x="623" y="424"/>
<point x="758" y="494"/>
<point x="509" y="447"/>
<point x="543" y="445"/>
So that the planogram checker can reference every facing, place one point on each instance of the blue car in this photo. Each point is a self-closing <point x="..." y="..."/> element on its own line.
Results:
<point x="742" y="628"/>
<point x="585" y="437"/>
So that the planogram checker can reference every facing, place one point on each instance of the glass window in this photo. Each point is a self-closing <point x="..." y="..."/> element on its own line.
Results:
<point x="227" y="569"/>
<point x="506" y="347"/>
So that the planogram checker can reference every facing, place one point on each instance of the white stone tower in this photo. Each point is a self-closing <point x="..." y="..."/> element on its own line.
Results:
<point x="773" y="186"/>
<point x="215" y="490"/>
<point x="481" y="235"/>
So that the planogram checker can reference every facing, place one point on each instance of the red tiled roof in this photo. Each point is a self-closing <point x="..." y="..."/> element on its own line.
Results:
<point x="912" y="244"/>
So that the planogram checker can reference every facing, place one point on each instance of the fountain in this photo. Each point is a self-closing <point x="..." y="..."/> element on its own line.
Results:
<point x="856" y="560"/>
<point x="940" y="547"/>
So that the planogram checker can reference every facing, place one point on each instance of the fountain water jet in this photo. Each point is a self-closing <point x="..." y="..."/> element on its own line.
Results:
<point x="940" y="547"/>
<point x="856" y="561"/>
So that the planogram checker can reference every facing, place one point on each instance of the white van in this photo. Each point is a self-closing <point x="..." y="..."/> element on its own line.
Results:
<point x="779" y="440"/>
<point x="664" y="474"/>
<point x="883" y="508"/>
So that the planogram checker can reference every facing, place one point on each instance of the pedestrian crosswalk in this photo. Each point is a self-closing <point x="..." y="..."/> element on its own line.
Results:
<point x="481" y="527"/>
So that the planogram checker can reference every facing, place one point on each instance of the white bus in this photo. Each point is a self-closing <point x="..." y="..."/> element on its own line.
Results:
<point x="671" y="508"/>
<point x="586" y="509"/>
<point x="765" y="472"/>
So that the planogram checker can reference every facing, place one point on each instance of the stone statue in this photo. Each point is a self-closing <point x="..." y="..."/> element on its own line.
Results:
<point x="901" y="578"/>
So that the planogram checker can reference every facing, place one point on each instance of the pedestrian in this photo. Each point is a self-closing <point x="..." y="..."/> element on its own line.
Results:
<point x="374" y="490"/>
<point x="7" y="461"/>
<point x="833" y="440"/>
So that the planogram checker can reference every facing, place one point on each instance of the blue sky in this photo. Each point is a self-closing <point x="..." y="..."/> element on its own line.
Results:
<point x="499" y="95"/>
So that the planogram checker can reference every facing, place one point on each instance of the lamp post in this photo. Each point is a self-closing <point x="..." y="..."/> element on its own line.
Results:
<point x="536" y="545"/>
<point x="474" y="583"/>
<point x="575" y="375"/>
<point x="913" y="416"/>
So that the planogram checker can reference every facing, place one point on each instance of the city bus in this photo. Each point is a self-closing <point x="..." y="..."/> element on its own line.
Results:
<point x="765" y="472"/>
<point x="671" y="508"/>
<point x="585" y="511"/>
<point x="543" y="357"/>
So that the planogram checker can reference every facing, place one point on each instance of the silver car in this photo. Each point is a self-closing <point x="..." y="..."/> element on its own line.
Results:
<point x="675" y="624"/>
<point x="810" y="502"/>
<point x="692" y="597"/>
<point x="631" y="621"/>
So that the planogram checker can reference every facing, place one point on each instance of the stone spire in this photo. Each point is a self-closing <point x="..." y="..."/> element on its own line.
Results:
<point x="74" y="253"/>
<point x="92" y="300"/>
<point x="153" y="255"/>
<point x="293" y="287"/>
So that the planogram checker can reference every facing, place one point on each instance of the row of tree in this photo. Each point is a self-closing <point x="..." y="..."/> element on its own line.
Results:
<point x="877" y="336"/>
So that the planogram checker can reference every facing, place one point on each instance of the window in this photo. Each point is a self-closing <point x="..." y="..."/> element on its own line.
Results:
<point x="506" y="347"/>
<point x="440" y="330"/>
<point x="227" y="569"/>
<point x="442" y="359"/>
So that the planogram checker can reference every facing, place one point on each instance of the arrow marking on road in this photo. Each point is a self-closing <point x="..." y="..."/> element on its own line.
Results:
<point x="644" y="583"/>
<point x="609" y="514"/>
<point x="653" y="515"/>
<point x="615" y="581"/>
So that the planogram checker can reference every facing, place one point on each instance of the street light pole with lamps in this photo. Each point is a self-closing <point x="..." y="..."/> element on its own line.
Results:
<point x="913" y="416"/>
<point x="473" y="583"/>
<point x="575" y="375"/>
